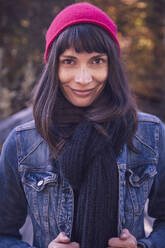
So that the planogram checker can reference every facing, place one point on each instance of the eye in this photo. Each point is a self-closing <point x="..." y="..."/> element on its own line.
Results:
<point x="67" y="61"/>
<point x="98" y="61"/>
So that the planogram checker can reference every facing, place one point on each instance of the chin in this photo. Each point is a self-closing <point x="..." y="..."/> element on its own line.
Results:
<point x="81" y="104"/>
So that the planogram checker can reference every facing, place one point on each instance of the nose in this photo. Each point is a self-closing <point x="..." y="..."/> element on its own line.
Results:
<point x="83" y="76"/>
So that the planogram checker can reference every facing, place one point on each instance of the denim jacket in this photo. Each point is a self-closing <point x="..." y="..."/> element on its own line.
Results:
<point x="30" y="183"/>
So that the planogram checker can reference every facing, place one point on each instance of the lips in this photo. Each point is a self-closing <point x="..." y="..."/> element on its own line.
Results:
<point x="82" y="92"/>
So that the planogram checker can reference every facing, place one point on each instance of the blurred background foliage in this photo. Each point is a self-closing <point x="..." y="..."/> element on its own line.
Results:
<point x="141" y="31"/>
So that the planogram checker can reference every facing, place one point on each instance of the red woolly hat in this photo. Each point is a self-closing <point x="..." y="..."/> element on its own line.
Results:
<point x="79" y="13"/>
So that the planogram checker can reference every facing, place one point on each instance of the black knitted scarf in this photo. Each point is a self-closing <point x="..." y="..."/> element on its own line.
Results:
<point x="88" y="163"/>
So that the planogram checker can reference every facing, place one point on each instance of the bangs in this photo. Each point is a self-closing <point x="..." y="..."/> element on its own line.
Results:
<point x="82" y="37"/>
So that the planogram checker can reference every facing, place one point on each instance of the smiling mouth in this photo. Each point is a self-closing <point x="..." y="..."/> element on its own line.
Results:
<point x="82" y="92"/>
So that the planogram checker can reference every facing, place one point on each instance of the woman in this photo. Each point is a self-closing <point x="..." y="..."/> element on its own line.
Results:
<point x="85" y="167"/>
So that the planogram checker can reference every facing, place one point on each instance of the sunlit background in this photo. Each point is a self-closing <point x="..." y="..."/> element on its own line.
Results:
<point x="141" y="32"/>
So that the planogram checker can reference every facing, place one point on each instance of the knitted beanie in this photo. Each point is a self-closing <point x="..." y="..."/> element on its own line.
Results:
<point x="79" y="13"/>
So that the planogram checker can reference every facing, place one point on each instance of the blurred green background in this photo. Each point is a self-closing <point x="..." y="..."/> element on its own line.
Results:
<point x="141" y="31"/>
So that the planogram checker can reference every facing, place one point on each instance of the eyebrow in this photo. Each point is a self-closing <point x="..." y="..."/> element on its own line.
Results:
<point x="99" y="55"/>
<point x="68" y="56"/>
<point x="73" y="57"/>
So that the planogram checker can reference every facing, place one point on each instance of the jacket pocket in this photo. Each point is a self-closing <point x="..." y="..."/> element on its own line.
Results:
<point x="139" y="180"/>
<point x="42" y="190"/>
<point x="141" y="175"/>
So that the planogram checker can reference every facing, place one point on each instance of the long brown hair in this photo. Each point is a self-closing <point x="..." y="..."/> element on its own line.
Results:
<point x="115" y="104"/>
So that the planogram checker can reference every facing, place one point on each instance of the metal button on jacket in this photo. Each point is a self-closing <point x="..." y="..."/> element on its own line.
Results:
<point x="40" y="182"/>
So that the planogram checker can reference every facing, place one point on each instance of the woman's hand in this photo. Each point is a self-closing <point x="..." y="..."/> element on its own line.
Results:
<point x="126" y="240"/>
<point x="62" y="241"/>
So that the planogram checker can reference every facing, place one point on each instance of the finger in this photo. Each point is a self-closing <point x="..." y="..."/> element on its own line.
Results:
<point x="75" y="245"/>
<point x="62" y="238"/>
<point x="60" y="245"/>
<point x="125" y="234"/>
<point x="112" y="247"/>
<point x="118" y="243"/>
<point x="115" y="242"/>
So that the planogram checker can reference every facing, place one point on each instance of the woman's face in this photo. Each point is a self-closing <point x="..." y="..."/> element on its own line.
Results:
<point x="82" y="76"/>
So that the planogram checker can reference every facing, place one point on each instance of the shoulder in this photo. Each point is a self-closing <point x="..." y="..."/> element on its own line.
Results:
<point x="148" y="118"/>
<point x="28" y="130"/>
<point x="26" y="126"/>
<point x="146" y="140"/>
<point x="26" y="144"/>
<point x="27" y="139"/>
<point x="148" y="124"/>
<point x="28" y="134"/>
<point x="149" y="130"/>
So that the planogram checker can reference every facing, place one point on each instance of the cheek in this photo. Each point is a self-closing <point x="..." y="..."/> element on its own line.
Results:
<point x="64" y="89"/>
<point x="62" y="75"/>
<point x="101" y="75"/>
<point x="65" y="75"/>
<point x="101" y="87"/>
